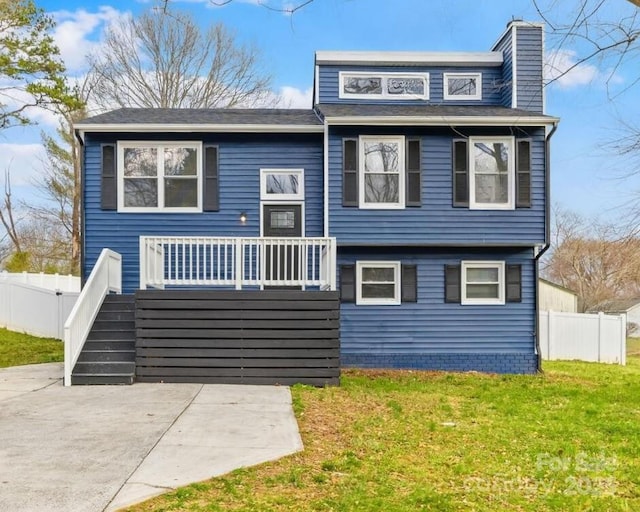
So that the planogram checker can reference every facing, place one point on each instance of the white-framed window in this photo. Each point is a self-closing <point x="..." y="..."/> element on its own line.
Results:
<point x="462" y="86"/>
<point x="491" y="173"/>
<point x="388" y="86"/>
<point x="378" y="282"/>
<point x="160" y="176"/>
<point x="482" y="282"/>
<point x="282" y="184"/>
<point x="382" y="175"/>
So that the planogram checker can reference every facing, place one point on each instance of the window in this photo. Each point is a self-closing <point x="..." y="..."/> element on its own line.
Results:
<point x="400" y="86"/>
<point x="282" y="184"/>
<point x="483" y="282"/>
<point x="159" y="176"/>
<point x="491" y="165"/>
<point x="462" y="86"/>
<point x="378" y="282"/>
<point x="381" y="172"/>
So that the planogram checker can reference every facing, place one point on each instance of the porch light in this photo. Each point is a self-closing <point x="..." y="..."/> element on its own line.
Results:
<point x="243" y="218"/>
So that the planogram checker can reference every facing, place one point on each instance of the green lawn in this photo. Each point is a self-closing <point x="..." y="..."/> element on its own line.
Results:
<point x="406" y="440"/>
<point x="17" y="349"/>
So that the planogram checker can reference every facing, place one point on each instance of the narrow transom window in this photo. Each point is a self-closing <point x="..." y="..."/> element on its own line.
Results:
<point x="401" y="86"/>
<point x="462" y="86"/>
<point x="381" y="172"/>
<point x="159" y="176"/>
<point x="378" y="282"/>
<point x="285" y="184"/>
<point x="483" y="282"/>
<point x="492" y="180"/>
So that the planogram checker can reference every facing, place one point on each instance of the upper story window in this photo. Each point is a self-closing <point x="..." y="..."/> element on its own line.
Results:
<point x="492" y="174"/>
<point x="392" y="86"/>
<point x="159" y="176"/>
<point x="382" y="172"/>
<point x="462" y="86"/>
<point x="282" y="184"/>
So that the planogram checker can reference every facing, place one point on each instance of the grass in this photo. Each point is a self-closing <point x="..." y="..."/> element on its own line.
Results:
<point x="407" y="440"/>
<point x="18" y="349"/>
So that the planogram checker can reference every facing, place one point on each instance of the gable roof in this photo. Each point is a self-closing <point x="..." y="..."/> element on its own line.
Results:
<point x="556" y="285"/>
<point x="619" y="305"/>
<point x="203" y="120"/>
<point x="430" y="115"/>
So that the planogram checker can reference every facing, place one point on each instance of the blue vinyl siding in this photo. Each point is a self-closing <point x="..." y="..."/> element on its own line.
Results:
<point x="240" y="160"/>
<point x="505" y="46"/>
<point x="432" y="326"/>
<point x="529" y="68"/>
<point x="436" y="221"/>
<point x="329" y="77"/>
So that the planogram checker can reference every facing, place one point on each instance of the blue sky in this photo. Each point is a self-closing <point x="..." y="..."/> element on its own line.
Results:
<point x="584" y="171"/>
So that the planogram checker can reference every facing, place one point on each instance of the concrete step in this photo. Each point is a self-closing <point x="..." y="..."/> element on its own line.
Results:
<point x="105" y="335"/>
<point x="117" y="345"/>
<point x="115" y="356"/>
<point x="105" y="368"/>
<point x="114" y="325"/>
<point x="105" y="379"/>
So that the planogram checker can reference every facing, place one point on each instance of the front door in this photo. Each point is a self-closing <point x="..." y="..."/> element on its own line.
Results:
<point x="282" y="262"/>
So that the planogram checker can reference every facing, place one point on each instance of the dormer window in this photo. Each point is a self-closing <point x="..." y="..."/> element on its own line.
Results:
<point x="462" y="86"/>
<point x="388" y="86"/>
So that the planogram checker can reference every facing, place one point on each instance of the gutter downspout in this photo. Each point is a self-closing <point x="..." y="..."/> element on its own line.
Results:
<point x="547" y="238"/>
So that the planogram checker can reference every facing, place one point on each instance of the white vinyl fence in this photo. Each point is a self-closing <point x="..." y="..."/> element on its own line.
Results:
<point x="586" y="337"/>
<point x="35" y="310"/>
<point x="54" y="282"/>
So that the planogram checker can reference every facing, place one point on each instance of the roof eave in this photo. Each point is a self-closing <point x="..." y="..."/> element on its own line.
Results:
<point x="442" y="120"/>
<point x="482" y="59"/>
<point x="81" y="128"/>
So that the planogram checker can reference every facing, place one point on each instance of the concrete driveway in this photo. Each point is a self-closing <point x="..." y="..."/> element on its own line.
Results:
<point x="97" y="448"/>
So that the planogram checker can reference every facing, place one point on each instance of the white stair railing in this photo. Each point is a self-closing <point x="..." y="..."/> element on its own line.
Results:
<point x="237" y="262"/>
<point x="105" y="277"/>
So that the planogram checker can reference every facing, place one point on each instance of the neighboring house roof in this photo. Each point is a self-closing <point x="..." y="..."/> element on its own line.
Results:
<point x="619" y="305"/>
<point x="558" y="286"/>
<point x="384" y="114"/>
<point x="203" y="119"/>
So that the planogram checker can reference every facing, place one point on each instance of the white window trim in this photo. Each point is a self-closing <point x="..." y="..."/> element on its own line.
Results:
<point x="281" y="197"/>
<point x="384" y="95"/>
<point x="511" y="185"/>
<point x="122" y="145"/>
<point x="401" y="173"/>
<point x="500" y="265"/>
<point x="396" y="266"/>
<point x="453" y="97"/>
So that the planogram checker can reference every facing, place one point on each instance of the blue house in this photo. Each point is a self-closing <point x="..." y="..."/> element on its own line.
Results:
<point x="396" y="224"/>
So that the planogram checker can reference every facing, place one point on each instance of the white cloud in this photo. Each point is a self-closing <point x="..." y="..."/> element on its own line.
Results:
<point x="564" y="68"/>
<point x="78" y="33"/>
<point x="23" y="160"/>
<point x="14" y="96"/>
<point x="291" y="97"/>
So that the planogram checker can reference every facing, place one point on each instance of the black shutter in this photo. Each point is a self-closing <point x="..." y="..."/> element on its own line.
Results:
<point x="460" y="173"/>
<point x="109" y="185"/>
<point x="413" y="168"/>
<point x="211" y="199"/>
<point x="350" y="172"/>
<point x="409" y="283"/>
<point x="523" y="173"/>
<point x="514" y="283"/>
<point x="347" y="283"/>
<point x="452" y="283"/>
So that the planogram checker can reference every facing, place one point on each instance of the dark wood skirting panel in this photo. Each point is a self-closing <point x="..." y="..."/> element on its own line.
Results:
<point x="238" y="337"/>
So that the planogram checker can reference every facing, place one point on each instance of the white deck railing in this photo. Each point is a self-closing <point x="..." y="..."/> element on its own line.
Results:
<point x="237" y="262"/>
<point x="105" y="277"/>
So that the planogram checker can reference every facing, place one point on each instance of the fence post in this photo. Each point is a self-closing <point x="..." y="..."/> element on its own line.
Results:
<point x="550" y="334"/>
<point x="600" y="334"/>
<point x="623" y="339"/>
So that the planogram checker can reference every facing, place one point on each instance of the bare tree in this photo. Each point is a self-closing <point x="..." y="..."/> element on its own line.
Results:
<point x="600" y="262"/>
<point x="8" y="214"/>
<point x="164" y="59"/>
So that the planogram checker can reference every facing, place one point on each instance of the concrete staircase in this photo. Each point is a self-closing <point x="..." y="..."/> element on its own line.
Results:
<point x="109" y="354"/>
